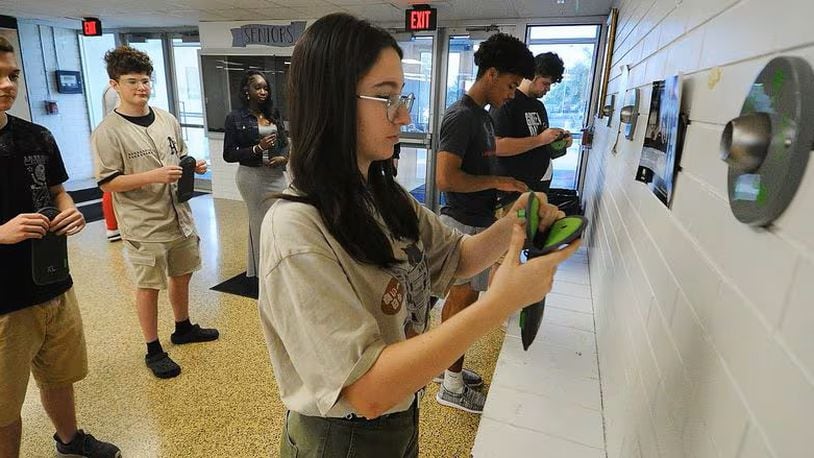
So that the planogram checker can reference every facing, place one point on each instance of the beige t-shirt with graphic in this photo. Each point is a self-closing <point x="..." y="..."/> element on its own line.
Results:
<point x="151" y="213"/>
<point x="327" y="317"/>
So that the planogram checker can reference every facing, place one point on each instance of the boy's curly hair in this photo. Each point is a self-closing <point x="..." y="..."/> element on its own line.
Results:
<point x="124" y="59"/>
<point x="506" y="54"/>
<point x="550" y="65"/>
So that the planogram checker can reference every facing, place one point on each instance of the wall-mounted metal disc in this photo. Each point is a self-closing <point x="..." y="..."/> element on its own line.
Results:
<point x="784" y="91"/>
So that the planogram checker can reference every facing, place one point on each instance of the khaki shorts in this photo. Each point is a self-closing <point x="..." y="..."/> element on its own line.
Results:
<point x="479" y="282"/>
<point x="45" y="340"/>
<point x="153" y="262"/>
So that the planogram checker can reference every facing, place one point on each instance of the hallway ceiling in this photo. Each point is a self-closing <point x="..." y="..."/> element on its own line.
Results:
<point x="171" y="13"/>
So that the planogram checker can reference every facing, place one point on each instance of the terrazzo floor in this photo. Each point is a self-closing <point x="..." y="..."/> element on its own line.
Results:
<point x="225" y="402"/>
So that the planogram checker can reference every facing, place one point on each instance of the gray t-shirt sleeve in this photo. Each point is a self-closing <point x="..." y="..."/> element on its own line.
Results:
<point x="457" y="131"/>
<point x="330" y="338"/>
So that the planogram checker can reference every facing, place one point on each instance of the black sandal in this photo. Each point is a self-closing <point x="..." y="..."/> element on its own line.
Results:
<point x="162" y="366"/>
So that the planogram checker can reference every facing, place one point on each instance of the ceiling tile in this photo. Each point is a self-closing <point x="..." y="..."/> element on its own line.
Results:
<point x="312" y="12"/>
<point x="279" y="14"/>
<point x="381" y="12"/>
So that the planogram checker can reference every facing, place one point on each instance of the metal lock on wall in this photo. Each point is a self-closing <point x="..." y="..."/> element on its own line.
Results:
<point x="768" y="145"/>
<point x="629" y="113"/>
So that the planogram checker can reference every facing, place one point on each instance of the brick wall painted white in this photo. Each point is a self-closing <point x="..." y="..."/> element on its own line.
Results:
<point x="70" y="126"/>
<point x="704" y="325"/>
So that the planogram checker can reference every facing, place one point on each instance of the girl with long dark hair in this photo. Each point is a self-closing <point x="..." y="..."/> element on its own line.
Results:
<point x="348" y="258"/>
<point x="256" y="139"/>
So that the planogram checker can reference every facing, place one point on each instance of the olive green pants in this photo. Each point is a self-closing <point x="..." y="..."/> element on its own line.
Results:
<point x="389" y="436"/>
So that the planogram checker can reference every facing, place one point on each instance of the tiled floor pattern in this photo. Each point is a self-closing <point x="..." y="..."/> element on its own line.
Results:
<point x="546" y="402"/>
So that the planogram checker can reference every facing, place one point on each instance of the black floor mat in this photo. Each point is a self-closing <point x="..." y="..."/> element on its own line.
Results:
<point x="92" y="212"/>
<point x="240" y="285"/>
<point x="84" y="195"/>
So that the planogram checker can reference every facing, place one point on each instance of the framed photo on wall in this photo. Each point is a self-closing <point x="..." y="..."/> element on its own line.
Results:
<point x="610" y="39"/>
<point x="663" y="139"/>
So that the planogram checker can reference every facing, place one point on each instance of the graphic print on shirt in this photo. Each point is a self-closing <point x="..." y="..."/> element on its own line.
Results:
<point x="491" y="142"/>
<point x="534" y="123"/>
<point x="393" y="297"/>
<point x="35" y="165"/>
<point x="413" y="288"/>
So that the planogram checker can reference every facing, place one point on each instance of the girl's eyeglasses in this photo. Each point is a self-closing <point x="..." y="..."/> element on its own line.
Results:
<point x="394" y="103"/>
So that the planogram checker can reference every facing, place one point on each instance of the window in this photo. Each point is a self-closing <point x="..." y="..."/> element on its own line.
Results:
<point x="567" y="103"/>
<point x="461" y="68"/>
<point x="417" y="65"/>
<point x="95" y="74"/>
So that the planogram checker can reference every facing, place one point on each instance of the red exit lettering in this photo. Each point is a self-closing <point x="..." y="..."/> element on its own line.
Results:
<point x="419" y="19"/>
<point x="91" y="27"/>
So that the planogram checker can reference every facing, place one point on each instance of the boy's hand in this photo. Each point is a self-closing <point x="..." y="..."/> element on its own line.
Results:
<point x="167" y="174"/>
<point x="24" y="226"/>
<point x="510" y="184"/>
<point x="200" y="167"/>
<point x="569" y="138"/>
<point x="549" y="136"/>
<point x="68" y="222"/>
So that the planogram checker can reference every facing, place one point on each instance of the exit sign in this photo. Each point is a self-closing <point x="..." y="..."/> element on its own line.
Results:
<point x="419" y="18"/>
<point x="91" y="27"/>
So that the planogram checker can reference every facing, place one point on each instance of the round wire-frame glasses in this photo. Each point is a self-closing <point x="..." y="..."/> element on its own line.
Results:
<point x="394" y="103"/>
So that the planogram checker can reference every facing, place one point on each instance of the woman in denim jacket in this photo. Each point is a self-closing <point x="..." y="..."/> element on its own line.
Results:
<point x="256" y="139"/>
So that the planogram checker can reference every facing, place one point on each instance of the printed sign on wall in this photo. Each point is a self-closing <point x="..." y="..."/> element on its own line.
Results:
<point x="268" y="35"/>
<point x="661" y="152"/>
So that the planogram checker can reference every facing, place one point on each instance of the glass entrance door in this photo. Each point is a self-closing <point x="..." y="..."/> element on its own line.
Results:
<point x="416" y="136"/>
<point x="461" y="68"/>
<point x="567" y="103"/>
<point x="189" y="102"/>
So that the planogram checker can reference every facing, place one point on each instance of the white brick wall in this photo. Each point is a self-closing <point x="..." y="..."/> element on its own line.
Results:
<point x="705" y="326"/>
<point x="70" y="126"/>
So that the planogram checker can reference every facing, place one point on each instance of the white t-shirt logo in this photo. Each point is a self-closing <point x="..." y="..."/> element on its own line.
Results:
<point x="534" y="122"/>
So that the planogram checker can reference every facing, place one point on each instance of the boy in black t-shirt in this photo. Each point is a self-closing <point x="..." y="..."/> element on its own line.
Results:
<point x="463" y="172"/>
<point x="523" y="134"/>
<point x="40" y="325"/>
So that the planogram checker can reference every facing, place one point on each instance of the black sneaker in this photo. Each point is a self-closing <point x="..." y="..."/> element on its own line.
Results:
<point x="195" y="334"/>
<point x="162" y="366"/>
<point x="85" y="445"/>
